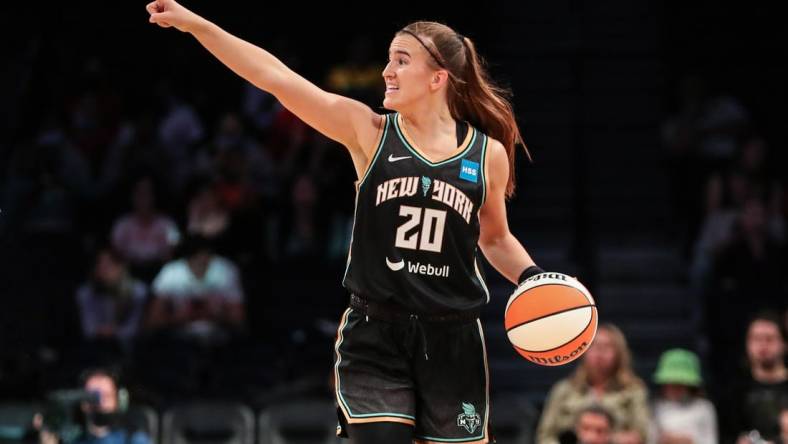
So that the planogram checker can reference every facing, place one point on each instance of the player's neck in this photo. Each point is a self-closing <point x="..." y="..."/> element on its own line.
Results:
<point x="429" y="120"/>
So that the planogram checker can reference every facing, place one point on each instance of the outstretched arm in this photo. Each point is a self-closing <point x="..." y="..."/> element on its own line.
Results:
<point x="339" y="118"/>
<point x="504" y="252"/>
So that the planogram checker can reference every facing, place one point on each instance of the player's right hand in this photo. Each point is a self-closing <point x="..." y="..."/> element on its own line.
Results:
<point x="168" y="13"/>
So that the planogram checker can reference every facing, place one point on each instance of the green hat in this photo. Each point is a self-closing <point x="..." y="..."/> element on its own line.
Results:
<point x="678" y="366"/>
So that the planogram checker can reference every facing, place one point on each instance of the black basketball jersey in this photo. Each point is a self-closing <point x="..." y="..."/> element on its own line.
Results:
<point x="416" y="225"/>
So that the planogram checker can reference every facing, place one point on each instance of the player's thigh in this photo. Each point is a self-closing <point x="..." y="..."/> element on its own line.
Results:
<point x="453" y="395"/>
<point x="373" y="381"/>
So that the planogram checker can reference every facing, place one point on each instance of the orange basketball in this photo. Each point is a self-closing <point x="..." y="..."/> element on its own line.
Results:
<point x="551" y="319"/>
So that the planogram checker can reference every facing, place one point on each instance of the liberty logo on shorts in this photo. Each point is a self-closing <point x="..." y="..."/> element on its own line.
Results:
<point x="469" y="171"/>
<point x="425" y="184"/>
<point x="469" y="418"/>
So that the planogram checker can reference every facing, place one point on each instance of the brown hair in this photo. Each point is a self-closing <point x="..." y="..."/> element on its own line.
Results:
<point x="623" y="375"/>
<point x="472" y="96"/>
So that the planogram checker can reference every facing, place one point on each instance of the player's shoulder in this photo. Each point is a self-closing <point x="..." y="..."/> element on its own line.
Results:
<point x="370" y="133"/>
<point x="496" y="155"/>
<point x="495" y="146"/>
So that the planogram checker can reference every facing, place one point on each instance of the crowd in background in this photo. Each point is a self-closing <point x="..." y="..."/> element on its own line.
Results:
<point x="155" y="224"/>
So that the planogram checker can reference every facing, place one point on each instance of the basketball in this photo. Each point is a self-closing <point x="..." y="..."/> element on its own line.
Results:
<point x="551" y="319"/>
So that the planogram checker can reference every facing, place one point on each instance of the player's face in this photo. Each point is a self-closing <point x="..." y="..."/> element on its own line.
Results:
<point x="408" y="73"/>
<point x="592" y="428"/>
<point x="765" y="346"/>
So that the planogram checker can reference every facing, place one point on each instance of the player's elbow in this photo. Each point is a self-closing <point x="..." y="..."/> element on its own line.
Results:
<point x="268" y="78"/>
<point x="489" y="241"/>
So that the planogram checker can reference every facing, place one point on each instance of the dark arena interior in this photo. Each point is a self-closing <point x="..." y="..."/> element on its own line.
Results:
<point x="129" y="158"/>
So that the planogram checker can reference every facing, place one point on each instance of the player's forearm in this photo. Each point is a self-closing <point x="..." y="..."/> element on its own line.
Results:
<point x="253" y="63"/>
<point x="507" y="255"/>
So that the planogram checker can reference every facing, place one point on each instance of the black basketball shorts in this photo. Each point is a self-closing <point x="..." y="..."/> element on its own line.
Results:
<point x="431" y="375"/>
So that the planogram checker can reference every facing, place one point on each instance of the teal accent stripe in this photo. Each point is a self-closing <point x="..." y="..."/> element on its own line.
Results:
<point x="415" y="153"/>
<point x="373" y="415"/>
<point x="358" y="191"/>
<point x="352" y="232"/>
<point x="429" y="438"/>
<point x="339" y="358"/>
<point x="479" y="276"/>
<point x="377" y="151"/>
<point x="339" y="390"/>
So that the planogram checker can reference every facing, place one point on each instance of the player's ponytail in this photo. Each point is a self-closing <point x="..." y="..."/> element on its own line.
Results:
<point x="472" y="95"/>
<point x="488" y="107"/>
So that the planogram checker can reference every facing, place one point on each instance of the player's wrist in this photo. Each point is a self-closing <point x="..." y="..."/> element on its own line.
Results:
<point x="529" y="272"/>
<point x="198" y="26"/>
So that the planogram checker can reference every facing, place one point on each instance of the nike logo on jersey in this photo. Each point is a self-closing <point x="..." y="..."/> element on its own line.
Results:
<point x="395" y="266"/>
<point x="394" y="159"/>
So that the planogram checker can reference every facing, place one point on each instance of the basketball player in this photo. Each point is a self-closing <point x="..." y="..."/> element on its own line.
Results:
<point x="432" y="182"/>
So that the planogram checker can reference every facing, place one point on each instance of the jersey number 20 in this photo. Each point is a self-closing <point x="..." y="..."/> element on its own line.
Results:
<point x="429" y="237"/>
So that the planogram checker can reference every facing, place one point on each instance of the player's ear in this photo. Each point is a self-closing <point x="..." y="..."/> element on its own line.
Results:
<point x="439" y="78"/>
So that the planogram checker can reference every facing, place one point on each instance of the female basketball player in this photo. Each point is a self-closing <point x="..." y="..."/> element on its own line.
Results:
<point x="432" y="182"/>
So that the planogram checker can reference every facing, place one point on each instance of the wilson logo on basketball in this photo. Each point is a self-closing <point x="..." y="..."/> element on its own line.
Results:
<point x="557" y="359"/>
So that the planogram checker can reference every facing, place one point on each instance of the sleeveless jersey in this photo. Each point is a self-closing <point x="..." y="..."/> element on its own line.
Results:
<point x="416" y="225"/>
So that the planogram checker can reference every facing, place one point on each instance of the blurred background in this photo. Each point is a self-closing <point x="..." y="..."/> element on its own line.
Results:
<point x="135" y="169"/>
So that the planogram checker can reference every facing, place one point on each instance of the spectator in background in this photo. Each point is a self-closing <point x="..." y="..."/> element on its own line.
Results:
<point x="756" y="397"/>
<point x="135" y="148"/>
<point x="303" y="236"/>
<point x="681" y="414"/>
<point x="230" y="135"/>
<point x="207" y="215"/>
<point x="728" y="193"/>
<point x="233" y="183"/>
<point x="199" y="295"/>
<point x="103" y="421"/>
<point x="179" y="131"/>
<point x="725" y="195"/>
<point x="93" y="111"/>
<point x="604" y="377"/>
<point x="594" y="425"/>
<point x="784" y="424"/>
<point x="44" y="183"/>
<point x="757" y="163"/>
<point x="111" y="303"/>
<point x="721" y="123"/>
<point x="750" y="265"/>
<point x="145" y="237"/>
